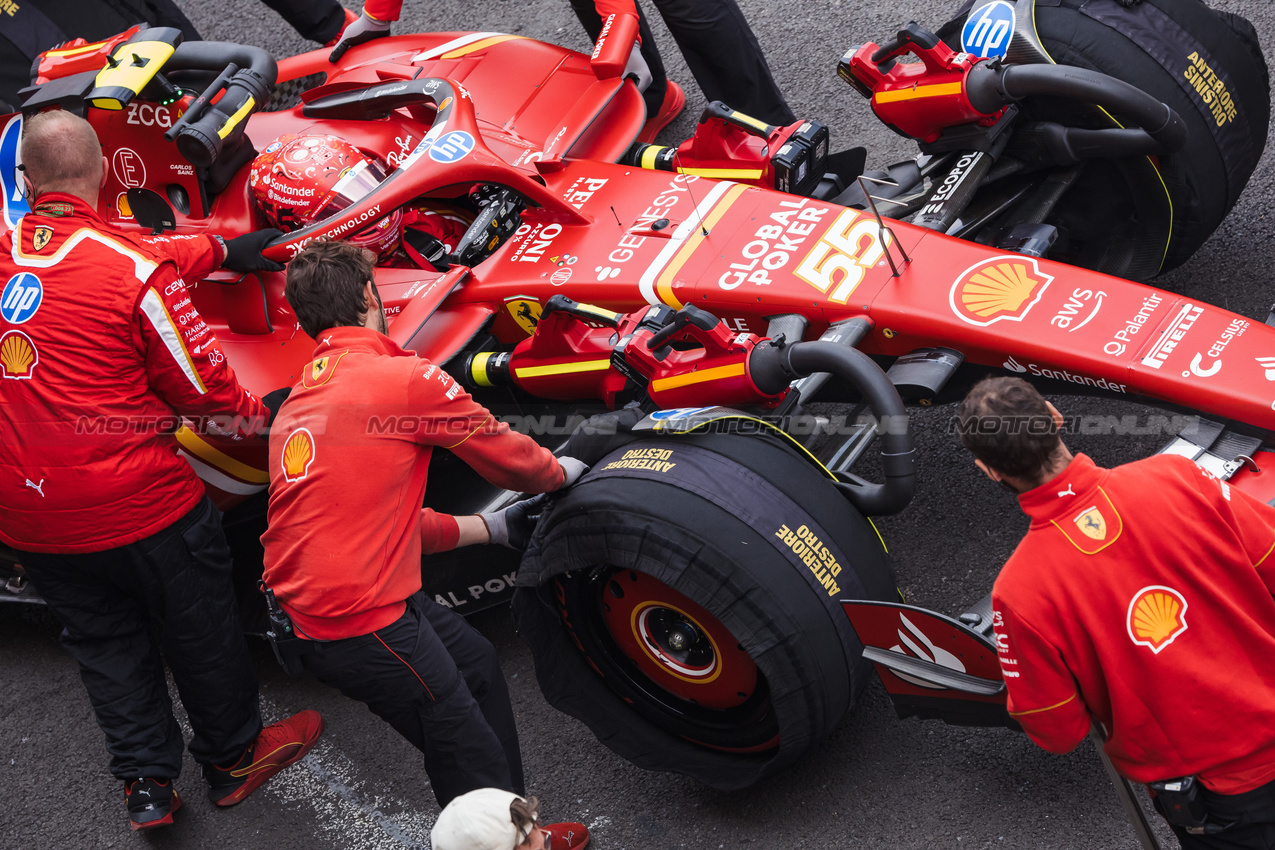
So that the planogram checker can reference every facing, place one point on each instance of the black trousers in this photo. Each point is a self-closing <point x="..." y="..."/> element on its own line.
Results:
<point x="1252" y="812"/>
<point x="317" y="20"/>
<point x="437" y="681"/>
<point x="119" y="607"/>
<point x="720" y="49"/>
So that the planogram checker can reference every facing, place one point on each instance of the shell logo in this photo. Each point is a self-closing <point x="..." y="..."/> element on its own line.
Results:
<point x="998" y="288"/>
<point x="18" y="356"/>
<point x="1157" y="615"/>
<point x="298" y="454"/>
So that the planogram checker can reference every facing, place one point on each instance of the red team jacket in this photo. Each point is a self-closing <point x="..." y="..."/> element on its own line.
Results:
<point x="99" y="345"/>
<point x="349" y="458"/>
<point x="1143" y="595"/>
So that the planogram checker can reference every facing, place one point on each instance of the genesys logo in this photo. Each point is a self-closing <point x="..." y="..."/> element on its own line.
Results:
<point x="998" y="289"/>
<point x="1013" y="365"/>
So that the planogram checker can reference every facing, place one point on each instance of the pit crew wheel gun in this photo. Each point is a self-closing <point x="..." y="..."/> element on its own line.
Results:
<point x="683" y="358"/>
<point x="960" y="105"/>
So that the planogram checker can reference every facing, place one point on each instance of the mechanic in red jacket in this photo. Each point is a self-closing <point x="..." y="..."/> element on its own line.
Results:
<point x="1141" y="597"/>
<point x="100" y="350"/>
<point x="349" y="456"/>
<point x="713" y="35"/>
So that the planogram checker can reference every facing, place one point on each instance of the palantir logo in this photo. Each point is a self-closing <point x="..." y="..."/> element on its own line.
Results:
<point x="988" y="31"/>
<point x="21" y="298"/>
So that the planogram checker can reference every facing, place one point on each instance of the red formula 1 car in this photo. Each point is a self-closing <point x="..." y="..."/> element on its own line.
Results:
<point x="711" y="598"/>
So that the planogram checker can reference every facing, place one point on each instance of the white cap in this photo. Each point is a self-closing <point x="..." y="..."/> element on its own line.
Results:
<point x="478" y="820"/>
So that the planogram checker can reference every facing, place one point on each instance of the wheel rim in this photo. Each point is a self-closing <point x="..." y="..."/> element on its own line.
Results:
<point x="676" y="643"/>
<point x="702" y="687"/>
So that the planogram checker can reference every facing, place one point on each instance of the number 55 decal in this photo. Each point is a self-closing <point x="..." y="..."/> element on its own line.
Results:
<point x="848" y="246"/>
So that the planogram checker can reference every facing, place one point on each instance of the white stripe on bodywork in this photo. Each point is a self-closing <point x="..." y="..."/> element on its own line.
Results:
<point x="142" y="267"/>
<point x="219" y="479"/>
<point x="680" y="234"/>
<point x="454" y="44"/>
<point x="154" y="309"/>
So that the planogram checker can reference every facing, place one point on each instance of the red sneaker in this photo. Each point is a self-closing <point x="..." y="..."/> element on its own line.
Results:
<point x="567" y="835"/>
<point x="150" y="803"/>
<point x="276" y="747"/>
<point x="674" y="100"/>
<point x="350" y="17"/>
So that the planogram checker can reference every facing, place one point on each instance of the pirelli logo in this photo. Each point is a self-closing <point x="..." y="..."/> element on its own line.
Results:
<point x="806" y="545"/>
<point x="1172" y="335"/>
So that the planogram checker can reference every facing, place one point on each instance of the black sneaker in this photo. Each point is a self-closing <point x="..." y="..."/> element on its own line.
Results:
<point x="151" y="802"/>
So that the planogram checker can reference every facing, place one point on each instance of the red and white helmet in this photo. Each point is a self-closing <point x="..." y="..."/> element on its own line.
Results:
<point x="300" y="179"/>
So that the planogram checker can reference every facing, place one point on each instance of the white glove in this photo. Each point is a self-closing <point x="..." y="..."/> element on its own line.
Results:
<point x="572" y="469"/>
<point x="637" y="68"/>
<point x="363" y="30"/>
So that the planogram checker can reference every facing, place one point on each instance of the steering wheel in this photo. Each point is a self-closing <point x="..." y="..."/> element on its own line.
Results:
<point x="452" y="152"/>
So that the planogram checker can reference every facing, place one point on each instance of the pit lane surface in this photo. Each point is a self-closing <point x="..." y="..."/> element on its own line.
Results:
<point x="878" y="781"/>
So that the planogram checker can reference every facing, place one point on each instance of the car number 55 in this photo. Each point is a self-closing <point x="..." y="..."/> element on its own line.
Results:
<point x="851" y="245"/>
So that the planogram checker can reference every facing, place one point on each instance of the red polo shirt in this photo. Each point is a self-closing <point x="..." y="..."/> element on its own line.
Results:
<point x="1143" y="595"/>
<point x="349" y="458"/>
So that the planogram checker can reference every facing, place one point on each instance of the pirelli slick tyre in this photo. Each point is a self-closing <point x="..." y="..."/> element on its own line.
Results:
<point x="682" y="601"/>
<point x="1140" y="216"/>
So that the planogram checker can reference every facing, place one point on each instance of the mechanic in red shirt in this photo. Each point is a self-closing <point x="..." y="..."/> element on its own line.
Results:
<point x="713" y="35"/>
<point x="349" y="456"/>
<point x="1141" y="597"/>
<point x="100" y="351"/>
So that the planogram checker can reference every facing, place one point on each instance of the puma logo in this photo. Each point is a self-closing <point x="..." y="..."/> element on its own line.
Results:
<point x="1067" y="492"/>
<point x="39" y="488"/>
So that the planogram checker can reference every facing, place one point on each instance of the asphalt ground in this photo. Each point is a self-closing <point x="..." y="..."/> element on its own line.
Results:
<point x="877" y="782"/>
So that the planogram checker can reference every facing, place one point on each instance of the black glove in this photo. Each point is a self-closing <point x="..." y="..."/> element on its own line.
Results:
<point x="514" y="525"/>
<point x="274" y="400"/>
<point x="363" y="30"/>
<point x="243" y="253"/>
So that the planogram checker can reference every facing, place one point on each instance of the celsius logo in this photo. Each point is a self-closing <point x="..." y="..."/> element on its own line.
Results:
<point x="1013" y="365"/>
<point x="21" y="298"/>
<point x="1268" y="364"/>
<point x="988" y="31"/>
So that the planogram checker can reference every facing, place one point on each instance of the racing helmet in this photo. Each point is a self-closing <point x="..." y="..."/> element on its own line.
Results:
<point x="303" y="178"/>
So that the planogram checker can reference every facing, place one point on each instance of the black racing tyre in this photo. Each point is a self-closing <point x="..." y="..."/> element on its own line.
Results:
<point x="1138" y="217"/>
<point x="682" y="601"/>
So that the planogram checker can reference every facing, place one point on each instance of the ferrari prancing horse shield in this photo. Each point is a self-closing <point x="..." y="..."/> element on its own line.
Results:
<point x="1092" y="523"/>
<point x="41" y="237"/>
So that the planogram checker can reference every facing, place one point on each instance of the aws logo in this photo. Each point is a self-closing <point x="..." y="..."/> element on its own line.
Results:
<point x="298" y="454"/>
<point x="1157" y="615"/>
<point x="999" y="288"/>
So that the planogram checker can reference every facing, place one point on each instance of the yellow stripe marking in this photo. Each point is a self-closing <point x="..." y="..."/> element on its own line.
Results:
<point x="1264" y="557"/>
<point x="481" y="426"/>
<point x="939" y="90"/>
<point x="650" y="154"/>
<point x="664" y="283"/>
<point x="233" y="120"/>
<point x="749" y="120"/>
<point x="715" y="374"/>
<point x="1046" y="708"/>
<point x="196" y="445"/>
<point x="478" y="368"/>
<point x="564" y="368"/>
<point x="724" y="173"/>
<point x="477" y="45"/>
